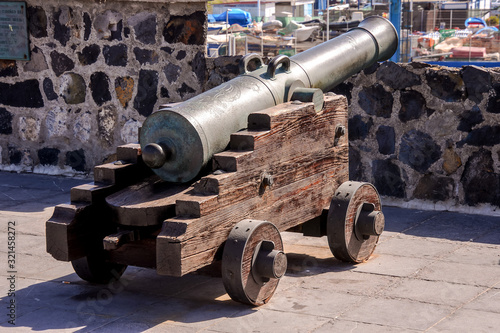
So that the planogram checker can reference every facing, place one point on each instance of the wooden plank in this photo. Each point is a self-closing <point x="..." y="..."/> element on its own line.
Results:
<point x="290" y="152"/>
<point x="146" y="203"/>
<point x="91" y="193"/>
<point x="306" y="162"/>
<point x="129" y="152"/>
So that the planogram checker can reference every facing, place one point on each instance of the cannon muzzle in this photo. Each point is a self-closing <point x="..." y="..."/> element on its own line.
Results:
<point x="178" y="141"/>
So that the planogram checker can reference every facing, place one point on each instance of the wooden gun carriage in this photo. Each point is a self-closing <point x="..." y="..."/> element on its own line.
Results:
<point x="287" y="170"/>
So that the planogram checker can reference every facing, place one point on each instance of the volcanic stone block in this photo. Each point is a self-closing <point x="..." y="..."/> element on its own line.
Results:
<point x="48" y="88"/>
<point x="21" y="94"/>
<point x="199" y="66"/>
<point x="29" y="128"/>
<point x="431" y="187"/>
<point x="188" y="30"/>
<point x="76" y="159"/>
<point x="8" y="68"/>
<point x="386" y="139"/>
<point x="37" y="22"/>
<point x="61" y="63"/>
<point x="15" y="156"/>
<point x="82" y="126"/>
<point x="451" y="161"/>
<point x="61" y="20"/>
<point x="73" y="88"/>
<point x="470" y="118"/>
<point x="115" y="55"/>
<point x="376" y="101"/>
<point x="446" y="85"/>
<point x="56" y="122"/>
<point x="48" y="156"/>
<point x="396" y="77"/>
<point x="418" y="150"/>
<point x="185" y="90"/>
<point x="181" y="55"/>
<point x="388" y="179"/>
<point x="356" y="170"/>
<point x="172" y="72"/>
<point x="130" y="131"/>
<point x="87" y="26"/>
<point x="144" y="27"/>
<point x="109" y="25"/>
<point x="167" y="50"/>
<point x="413" y="105"/>
<point x="359" y="129"/>
<point x="147" y="89"/>
<point x="481" y="184"/>
<point x="37" y="62"/>
<point x="372" y="69"/>
<point x="89" y="54"/>
<point x="106" y="120"/>
<point x="493" y="105"/>
<point x="146" y="56"/>
<point x="5" y="121"/>
<point x="164" y="93"/>
<point x="99" y="86"/>
<point x="345" y="89"/>
<point x="477" y="81"/>
<point x="124" y="88"/>
<point x="483" y="136"/>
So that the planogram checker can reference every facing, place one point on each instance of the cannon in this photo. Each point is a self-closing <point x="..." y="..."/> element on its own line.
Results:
<point x="215" y="179"/>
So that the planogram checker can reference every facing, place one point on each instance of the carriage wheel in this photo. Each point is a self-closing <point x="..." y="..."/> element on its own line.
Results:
<point x="355" y="221"/>
<point x="93" y="268"/>
<point x="253" y="262"/>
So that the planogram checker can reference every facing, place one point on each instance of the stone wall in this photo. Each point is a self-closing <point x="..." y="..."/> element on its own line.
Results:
<point x="427" y="136"/>
<point x="97" y="69"/>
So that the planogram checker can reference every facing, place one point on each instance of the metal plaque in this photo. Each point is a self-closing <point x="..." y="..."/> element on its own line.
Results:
<point x="13" y="31"/>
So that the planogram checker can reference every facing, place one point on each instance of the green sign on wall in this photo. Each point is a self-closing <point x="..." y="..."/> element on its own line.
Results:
<point x="13" y="31"/>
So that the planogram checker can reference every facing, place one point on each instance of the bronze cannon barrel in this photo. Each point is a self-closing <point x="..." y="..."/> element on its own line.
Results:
<point x="178" y="141"/>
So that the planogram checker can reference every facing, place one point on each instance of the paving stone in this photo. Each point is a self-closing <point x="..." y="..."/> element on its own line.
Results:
<point x="345" y="282"/>
<point x="265" y="320"/>
<point x="466" y="320"/>
<point x="416" y="247"/>
<point x="46" y="319"/>
<point x="404" y="314"/>
<point x="444" y="226"/>
<point x="475" y="254"/>
<point x="488" y="301"/>
<point x="340" y="325"/>
<point x="474" y="275"/>
<point x="433" y="292"/>
<point x="392" y="265"/>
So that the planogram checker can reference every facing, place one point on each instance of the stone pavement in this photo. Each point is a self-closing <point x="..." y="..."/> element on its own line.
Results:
<point x="431" y="272"/>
